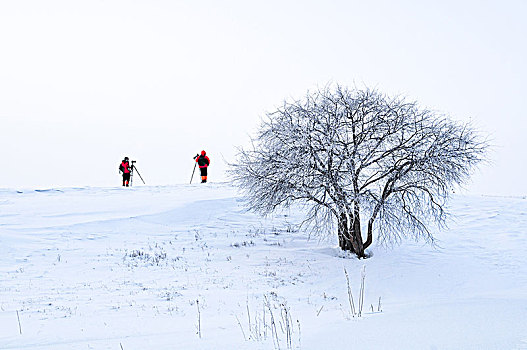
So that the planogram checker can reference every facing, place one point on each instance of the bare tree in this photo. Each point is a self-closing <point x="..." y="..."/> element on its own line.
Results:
<point x="355" y="156"/>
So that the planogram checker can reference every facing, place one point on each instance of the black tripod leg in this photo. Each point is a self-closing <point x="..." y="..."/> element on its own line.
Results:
<point x="139" y="175"/>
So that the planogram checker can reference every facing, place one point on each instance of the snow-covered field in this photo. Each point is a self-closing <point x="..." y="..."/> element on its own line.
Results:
<point x="186" y="267"/>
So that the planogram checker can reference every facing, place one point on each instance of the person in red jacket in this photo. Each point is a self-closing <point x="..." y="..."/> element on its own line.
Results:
<point x="203" y="162"/>
<point x="125" y="169"/>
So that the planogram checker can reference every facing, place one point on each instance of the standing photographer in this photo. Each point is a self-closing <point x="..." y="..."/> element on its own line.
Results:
<point x="203" y="162"/>
<point x="126" y="170"/>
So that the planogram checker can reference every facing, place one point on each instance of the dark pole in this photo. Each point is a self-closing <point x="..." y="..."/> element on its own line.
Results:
<point x="193" y="172"/>
<point x="196" y="156"/>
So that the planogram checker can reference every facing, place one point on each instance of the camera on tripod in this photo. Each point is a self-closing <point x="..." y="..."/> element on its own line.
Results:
<point x="196" y="156"/>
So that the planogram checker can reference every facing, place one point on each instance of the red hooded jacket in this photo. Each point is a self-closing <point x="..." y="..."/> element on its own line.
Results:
<point x="125" y="167"/>
<point x="203" y="161"/>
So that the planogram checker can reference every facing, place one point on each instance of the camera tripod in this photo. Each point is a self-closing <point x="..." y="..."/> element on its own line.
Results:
<point x="133" y="167"/>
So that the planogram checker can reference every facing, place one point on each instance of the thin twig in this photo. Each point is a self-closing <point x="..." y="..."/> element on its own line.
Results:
<point x="19" y="325"/>
<point x="274" y="333"/>
<point x="239" y="323"/>
<point x="248" y="313"/>
<point x="299" y="335"/>
<point x="361" y="295"/>
<point x="199" y="319"/>
<point x="320" y="310"/>
<point x="264" y="320"/>
<point x="350" y="294"/>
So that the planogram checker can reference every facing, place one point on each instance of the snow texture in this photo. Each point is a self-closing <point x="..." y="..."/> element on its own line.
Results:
<point x="186" y="267"/>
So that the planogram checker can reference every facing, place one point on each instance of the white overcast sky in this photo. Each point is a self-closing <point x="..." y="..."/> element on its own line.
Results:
<point x="85" y="83"/>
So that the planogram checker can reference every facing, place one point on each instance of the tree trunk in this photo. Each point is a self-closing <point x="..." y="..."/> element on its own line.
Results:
<point x="369" y="239"/>
<point x="356" y="233"/>
<point x="349" y="233"/>
<point x="344" y="233"/>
